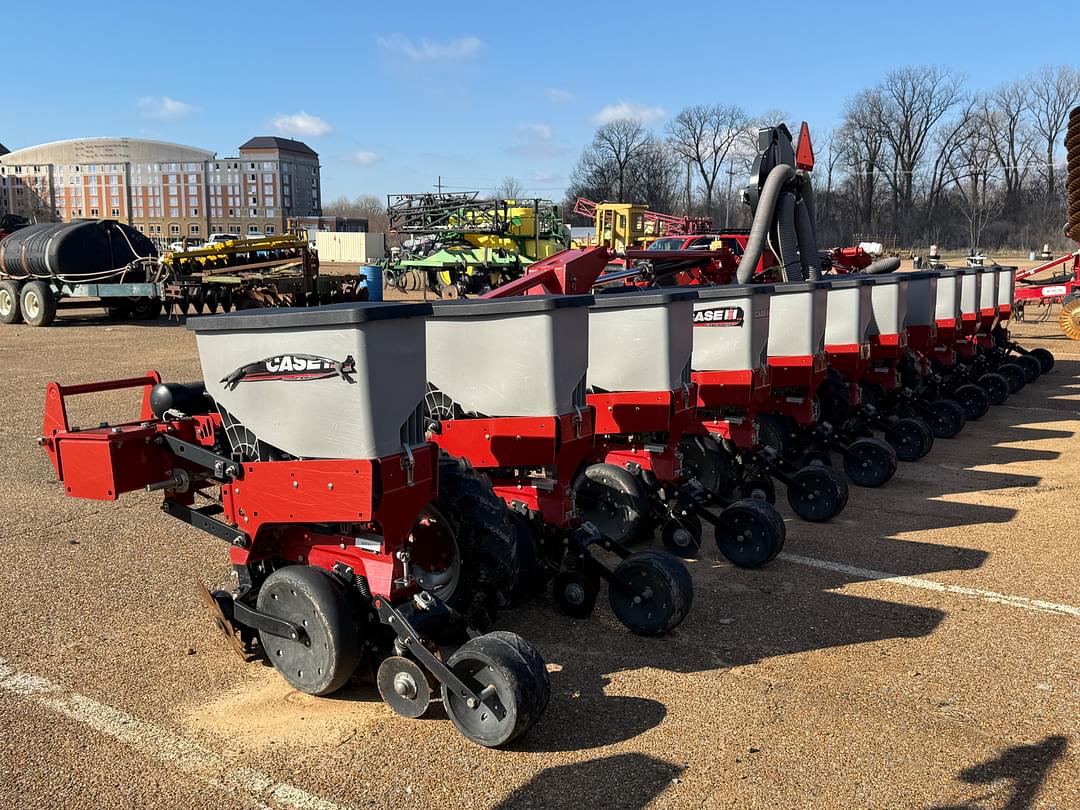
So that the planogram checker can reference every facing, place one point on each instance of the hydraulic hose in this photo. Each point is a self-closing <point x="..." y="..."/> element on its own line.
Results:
<point x="887" y="265"/>
<point x="789" y="240"/>
<point x="759" y="230"/>
<point x="807" y="235"/>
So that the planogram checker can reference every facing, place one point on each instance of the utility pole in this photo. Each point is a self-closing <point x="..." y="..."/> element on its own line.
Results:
<point x="727" y="200"/>
<point x="439" y="184"/>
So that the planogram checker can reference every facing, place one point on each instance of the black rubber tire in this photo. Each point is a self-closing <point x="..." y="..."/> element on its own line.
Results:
<point x="311" y="597"/>
<point x="671" y="599"/>
<point x="486" y="541"/>
<point x="875" y="465"/>
<point x="758" y="487"/>
<point x="872" y="394"/>
<point x="1031" y="367"/>
<point x="614" y="500"/>
<point x="10" y="305"/>
<point x="766" y="536"/>
<point x="1014" y="376"/>
<point x="973" y="399"/>
<point x="817" y="493"/>
<point x="773" y="432"/>
<point x="508" y="662"/>
<point x="574" y="593"/>
<point x="908" y="438"/>
<point x="533" y="573"/>
<point x="946" y="418"/>
<point x="681" y="535"/>
<point x="37" y="302"/>
<point x="704" y="459"/>
<point x="145" y="309"/>
<point x="1045" y="358"/>
<point x="998" y="387"/>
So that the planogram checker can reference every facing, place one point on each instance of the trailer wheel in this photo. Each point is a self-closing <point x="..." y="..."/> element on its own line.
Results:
<point x="656" y="595"/>
<point x="464" y="547"/>
<point x="308" y="596"/>
<point x="10" y="309"/>
<point x="145" y="309"/>
<point x="38" y="304"/>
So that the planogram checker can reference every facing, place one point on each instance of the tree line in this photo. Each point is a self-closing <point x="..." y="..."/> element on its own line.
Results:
<point x="919" y="158"/>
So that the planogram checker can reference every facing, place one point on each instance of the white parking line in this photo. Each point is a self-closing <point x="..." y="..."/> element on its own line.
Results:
<point x="1022" y="602"/>
<point x="149" y="740"/>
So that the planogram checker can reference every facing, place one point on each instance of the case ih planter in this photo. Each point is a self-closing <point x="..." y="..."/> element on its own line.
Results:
<point x="639" y="387"/>
<point x="520" y="414"/>
<point x="305" y="453"/>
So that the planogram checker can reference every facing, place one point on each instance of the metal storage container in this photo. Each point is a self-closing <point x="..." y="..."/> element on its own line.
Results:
<point x="948" y="296"/>
<point x="523" y="356"/>
<point x="641" y="341"/>
<point x="889" y="304"/>
<point x="848" y="313"/>
<point x="342" y="381"/>
<point x="921" y="298"/>
<point x="988" y="288"/>
<point x="970" y="283"/>
<point x="797" y="319"/>
<point x="731" y="327"/>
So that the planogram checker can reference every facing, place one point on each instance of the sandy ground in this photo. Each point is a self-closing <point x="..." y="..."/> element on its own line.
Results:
<point x="923" y="650"/>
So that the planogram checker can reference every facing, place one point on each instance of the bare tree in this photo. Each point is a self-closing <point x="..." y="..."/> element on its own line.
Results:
<point x="862" y="142"/>
<point x="366" y="206"/>
<point x="1052" y="92"/>
<point x="702" y="136"/>
<point x="971" y="170"/>
<point x="655" y="176"/>
<point x="1003" y="112"/>
<point x="621" y="142"/>
<point x="509" y="189"/>
<point x="915" y="100"/>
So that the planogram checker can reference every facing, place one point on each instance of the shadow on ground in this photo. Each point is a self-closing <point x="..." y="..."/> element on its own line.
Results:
<point x="1020" y="771"/>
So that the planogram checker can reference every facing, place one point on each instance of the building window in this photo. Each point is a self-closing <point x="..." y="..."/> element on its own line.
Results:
<point x="234" y="229"/>
<point x="174" y="212"/>
<point x="115" y="212"/>
<point x="193" y="230"/>
<point x="254" y="229"/>
<point x="270" y="230"/>
<point x="140" y="229"/>
<point x="268" y="178"/>
<point x="194" y="212"/>
<point x="174" y="229"/>
<point x="93" y="212"/>
<point x="232" y="212"/>
<point x="253" y="212"/>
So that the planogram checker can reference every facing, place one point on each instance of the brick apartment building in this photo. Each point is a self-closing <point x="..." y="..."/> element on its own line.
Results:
<point x="166" y="190"/>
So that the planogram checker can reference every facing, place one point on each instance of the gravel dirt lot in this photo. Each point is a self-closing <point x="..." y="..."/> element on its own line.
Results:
<point x="921" y="651"/>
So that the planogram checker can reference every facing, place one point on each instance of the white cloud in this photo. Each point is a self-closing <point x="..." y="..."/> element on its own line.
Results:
<point x="300" y="123"/>
<point x="426" y="50"/>
<point x="165" y="107"/>
<point x="361" y="158"/>
<point x="628" y="110"/>
<point x="557" y="96"/>
<point x="537" y="132"/>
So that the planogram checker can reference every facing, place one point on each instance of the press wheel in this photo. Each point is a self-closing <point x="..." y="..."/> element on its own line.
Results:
<point x="816" y="493"/>
<point x="869" y="462"/>
<point x="747" y="535"/>
<point x="657" y="593"/>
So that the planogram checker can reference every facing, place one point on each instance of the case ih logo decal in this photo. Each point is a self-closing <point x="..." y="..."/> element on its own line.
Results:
<point x="292" y="368"/>
<point x="719" y="316"/>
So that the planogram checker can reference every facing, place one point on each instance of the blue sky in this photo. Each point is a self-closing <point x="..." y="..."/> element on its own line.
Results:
<point x="392" y="96"/>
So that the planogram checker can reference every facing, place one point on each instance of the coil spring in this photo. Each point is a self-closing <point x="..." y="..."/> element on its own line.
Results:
<point x="1072" y="183"/>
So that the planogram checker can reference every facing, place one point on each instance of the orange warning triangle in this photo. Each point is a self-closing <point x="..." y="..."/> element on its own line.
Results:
<point x="804" y="151"/>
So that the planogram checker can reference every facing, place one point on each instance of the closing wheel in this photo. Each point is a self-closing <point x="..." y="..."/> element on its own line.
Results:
<point x="974" y="399"/>
<point x="37" y="303"/>
<point x="614" y="500"/>
<point x="1014" y="376"/>
<point x="946" y="418"/>
<point x="510" y="679"/>
<point x="1030" y="366"/>
<point x="758" y="487"/>
<point x="998" y="386"/>
<point x="748" y="535"/>
<point x="10" y="311"/>
<point x="574" y="593"/>
<point x="321" y="661"/>
<point x="817" y="493"/>
<point x="1045" y="358"/>
<point x="704" y="459"/>
<point x="869" y="462"/>
<point x="404" y="686"/>
<point x="657" y="596"/>
<point x="909" y="438"/>
<point x="681" y="535"/>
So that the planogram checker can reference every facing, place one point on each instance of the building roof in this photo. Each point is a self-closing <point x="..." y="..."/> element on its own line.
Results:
<point x="106" y="150"/>
<point x="274" y="142"/>
<point x="3" y="149"/>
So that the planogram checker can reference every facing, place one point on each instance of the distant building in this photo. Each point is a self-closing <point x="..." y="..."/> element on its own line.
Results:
<point x="165" y="190"/>
<point x="334" y="224"/>
<point x="3" y="149"/>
